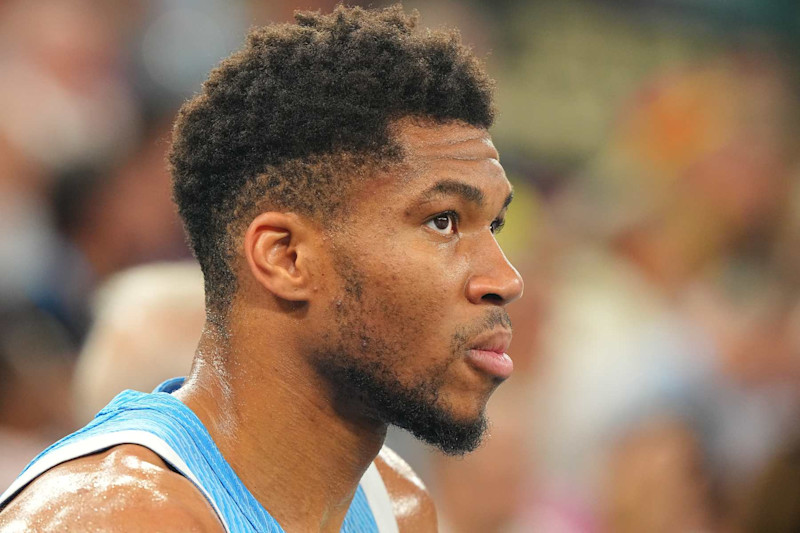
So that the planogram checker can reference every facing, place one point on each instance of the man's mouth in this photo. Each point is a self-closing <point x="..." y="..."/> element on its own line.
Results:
<point x="488" y="354"/>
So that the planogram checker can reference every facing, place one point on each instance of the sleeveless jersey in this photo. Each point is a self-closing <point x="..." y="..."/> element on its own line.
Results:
<point x="163" y="424"/>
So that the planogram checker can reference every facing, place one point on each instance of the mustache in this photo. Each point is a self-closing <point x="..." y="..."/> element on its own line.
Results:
<point x="497" y="317"/>
<point x="492" y="319"/>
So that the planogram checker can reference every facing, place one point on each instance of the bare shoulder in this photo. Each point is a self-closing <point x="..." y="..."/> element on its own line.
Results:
<point x="412" y="504"/>
<point x="125" y="488"/>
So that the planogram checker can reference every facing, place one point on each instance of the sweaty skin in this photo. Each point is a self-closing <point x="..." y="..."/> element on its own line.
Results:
<point x="129" y="487"/>
<point x="125" y="488"/>
<point x="431" y="275"/>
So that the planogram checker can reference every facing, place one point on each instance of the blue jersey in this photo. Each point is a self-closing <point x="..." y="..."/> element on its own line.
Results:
<point x="162" y="423"/>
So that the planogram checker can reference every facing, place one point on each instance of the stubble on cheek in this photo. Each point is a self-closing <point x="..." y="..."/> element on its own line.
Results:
<point x="384" y="322"/>
<point x="403" y="311"/>
<point x="388" y="356"/>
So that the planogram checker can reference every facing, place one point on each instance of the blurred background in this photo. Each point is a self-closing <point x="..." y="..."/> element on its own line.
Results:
<point x="653" y="145"/>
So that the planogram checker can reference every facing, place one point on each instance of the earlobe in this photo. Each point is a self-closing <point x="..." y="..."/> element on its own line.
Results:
<point x="275" y="245"/>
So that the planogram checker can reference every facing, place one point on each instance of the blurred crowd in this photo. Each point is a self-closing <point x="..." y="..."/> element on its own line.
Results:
<point x="653" y="146"/>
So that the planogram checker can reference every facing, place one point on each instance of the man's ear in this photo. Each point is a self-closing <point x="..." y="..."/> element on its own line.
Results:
<point x="278" y="247"/>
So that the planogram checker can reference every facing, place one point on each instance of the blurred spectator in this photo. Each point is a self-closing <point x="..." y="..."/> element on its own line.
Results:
<point x="35" y="369"/>
<point x="63" y="94"/>
<point x="657" y="480"/>
<point x="698" y="166"/>
<point x="147" y="324"/>
<point x="179" y="41"/>
<point x="108" y="220"/>
<point x="773" y="500"/>
<point x="63" y="101"/>
<point x="485" y="490"/>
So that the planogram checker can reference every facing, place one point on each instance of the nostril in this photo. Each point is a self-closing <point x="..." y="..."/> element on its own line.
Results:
<point x="493" y="298"/>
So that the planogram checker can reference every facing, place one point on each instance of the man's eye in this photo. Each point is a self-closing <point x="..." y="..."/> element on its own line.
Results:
<point x="444" y="223"/>
<point x="497" y="225"/>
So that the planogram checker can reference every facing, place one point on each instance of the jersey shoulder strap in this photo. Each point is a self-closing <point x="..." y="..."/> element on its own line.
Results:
<point x="379" y="501"/>
<point x="161" y="423"/>
<point x="88" y="445"/>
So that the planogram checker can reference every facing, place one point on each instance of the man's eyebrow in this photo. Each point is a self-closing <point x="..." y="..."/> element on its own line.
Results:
<point x="466" y="191"/>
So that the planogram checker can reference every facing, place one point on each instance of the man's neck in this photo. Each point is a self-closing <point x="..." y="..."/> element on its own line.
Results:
<point x="273" y="422"/>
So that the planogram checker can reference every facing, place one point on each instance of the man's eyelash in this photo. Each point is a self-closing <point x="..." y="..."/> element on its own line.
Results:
<point x="497" y="225"/>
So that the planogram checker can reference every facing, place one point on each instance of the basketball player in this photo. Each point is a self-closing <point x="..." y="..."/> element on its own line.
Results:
<point x="342" y="195"/>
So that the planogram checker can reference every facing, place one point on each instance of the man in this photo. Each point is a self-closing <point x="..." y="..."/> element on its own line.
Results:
<point x="341" y="193"/>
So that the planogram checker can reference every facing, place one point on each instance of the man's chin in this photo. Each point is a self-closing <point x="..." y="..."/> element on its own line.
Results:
<point x="417" y="408"/>
<point x="452" y="437"/>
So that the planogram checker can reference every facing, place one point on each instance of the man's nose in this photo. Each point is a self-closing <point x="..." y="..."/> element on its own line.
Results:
<point x="497" y="282"/>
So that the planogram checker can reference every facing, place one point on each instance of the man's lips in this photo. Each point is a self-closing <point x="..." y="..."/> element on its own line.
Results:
<point x="496" y="341"/>
<point x="488" y="354"/>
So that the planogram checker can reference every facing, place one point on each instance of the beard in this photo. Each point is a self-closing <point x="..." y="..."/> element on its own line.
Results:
<point x="415" y="408"/>
<point x="359" y="364"/>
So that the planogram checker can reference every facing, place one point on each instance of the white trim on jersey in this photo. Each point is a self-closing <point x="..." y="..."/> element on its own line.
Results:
<point x="378" y="499"/>
<point x="97" y="443"/>
<point x="374" y="488"/>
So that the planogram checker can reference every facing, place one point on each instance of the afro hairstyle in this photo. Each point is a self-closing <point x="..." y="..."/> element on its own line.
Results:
<point x="288" y="121"/>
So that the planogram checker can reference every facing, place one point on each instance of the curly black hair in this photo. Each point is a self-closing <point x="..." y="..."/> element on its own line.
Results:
<point x="290" y="119"/>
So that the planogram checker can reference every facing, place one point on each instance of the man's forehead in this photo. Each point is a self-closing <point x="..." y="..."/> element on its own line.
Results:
<point x="436" y="153"/>
<point x="426" y="140"/>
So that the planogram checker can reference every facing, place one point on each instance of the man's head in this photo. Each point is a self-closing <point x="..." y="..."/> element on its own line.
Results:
<point x="303" y="111"/>
<point x="339" y="172"/>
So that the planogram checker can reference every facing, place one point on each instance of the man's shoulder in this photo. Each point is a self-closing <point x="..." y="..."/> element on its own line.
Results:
<point x="412" y="504"/>
<point x="127" y="487"/>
